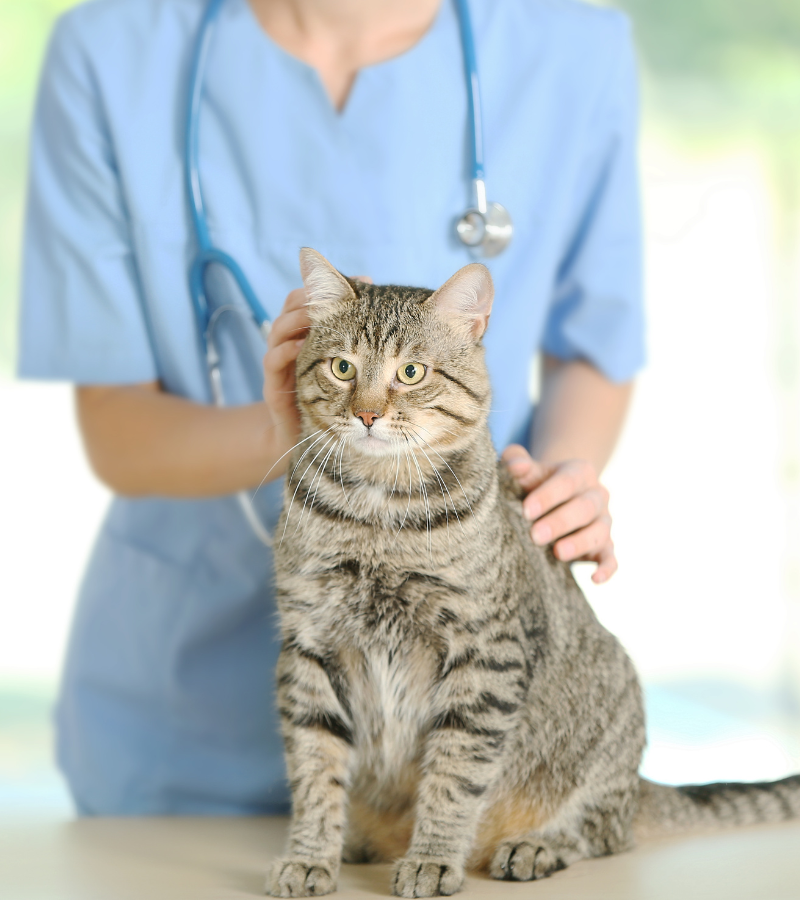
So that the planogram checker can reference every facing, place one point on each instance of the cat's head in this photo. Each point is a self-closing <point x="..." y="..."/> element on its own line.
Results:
<point x="391" y="367"/>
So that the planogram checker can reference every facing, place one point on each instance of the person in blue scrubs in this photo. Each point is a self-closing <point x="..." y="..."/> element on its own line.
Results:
<point x="337" y="125"/>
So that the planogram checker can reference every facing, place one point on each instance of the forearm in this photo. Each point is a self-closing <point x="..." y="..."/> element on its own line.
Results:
<point x="580" y="414"/>
<point x="142" y="441"/>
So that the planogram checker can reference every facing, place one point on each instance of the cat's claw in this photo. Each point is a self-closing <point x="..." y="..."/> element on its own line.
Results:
<point x="524" y="861"/>
<point x="300" y="878"/>
<point x="426" y="878"/>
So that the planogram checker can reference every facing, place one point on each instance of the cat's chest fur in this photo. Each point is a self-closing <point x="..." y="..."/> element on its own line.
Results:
<point x="390" y="701"/>
<point x="381" y="626"/>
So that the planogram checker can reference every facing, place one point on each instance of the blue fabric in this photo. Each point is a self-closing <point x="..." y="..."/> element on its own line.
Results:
<point x="167" y="697"/>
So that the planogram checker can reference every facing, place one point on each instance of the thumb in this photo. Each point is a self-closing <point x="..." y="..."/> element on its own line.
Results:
<point x="527" y="472"/>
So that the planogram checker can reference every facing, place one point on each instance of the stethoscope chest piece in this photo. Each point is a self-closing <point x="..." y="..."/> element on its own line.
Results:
<point x="489" y="232"/>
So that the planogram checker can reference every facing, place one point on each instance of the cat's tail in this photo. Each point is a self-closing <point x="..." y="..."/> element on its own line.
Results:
<point x="694" y="807"/>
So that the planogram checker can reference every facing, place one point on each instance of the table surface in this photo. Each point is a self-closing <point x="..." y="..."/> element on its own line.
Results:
<point x="223" y="859"/>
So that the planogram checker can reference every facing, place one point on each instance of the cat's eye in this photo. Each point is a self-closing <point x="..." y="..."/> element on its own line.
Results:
<point x="411" y="373"/>
<point x="342" y="369"/>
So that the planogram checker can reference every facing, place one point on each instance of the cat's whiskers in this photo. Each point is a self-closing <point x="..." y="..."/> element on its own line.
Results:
<point x="442" y="487"/>
<point x="321" y="471"/>
<point x="434" y="450"/>
<point x="346" y="441"/>
<point x="396" y="475"/>
<point x="310" y="447"/>
<point x="300" y="481"/>
<point x="408" y="507"/>
<point x="318" y="478"/>
<point x="424" y="495"/>
<point x="455" y="434"/>
<point x="282" y="456"/>
<point x="424" y="490"/>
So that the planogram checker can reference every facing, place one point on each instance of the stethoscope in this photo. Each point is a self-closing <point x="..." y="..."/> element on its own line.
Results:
<point x="485" y="227"/>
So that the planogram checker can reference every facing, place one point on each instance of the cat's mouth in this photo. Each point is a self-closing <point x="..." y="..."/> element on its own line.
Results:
<point x="374" y="444"/>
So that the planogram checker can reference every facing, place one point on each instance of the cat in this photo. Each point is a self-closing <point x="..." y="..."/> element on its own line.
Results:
<point x="448" y="698"/>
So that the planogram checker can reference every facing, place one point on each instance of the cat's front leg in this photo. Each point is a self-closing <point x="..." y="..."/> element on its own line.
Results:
<point x="461" y="766"/>
<point x="318" y="741"/>
<point x="464" y="756"/>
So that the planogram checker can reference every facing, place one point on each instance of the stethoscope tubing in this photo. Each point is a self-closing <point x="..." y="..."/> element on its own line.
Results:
<point x="475" y="106"/>
<point x="191" y="147"/>
<point x="207" y="254"/>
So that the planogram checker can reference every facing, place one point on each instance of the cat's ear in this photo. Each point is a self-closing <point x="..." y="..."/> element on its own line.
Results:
<point x="325" y="286"/>
<point x="465" y="300"/>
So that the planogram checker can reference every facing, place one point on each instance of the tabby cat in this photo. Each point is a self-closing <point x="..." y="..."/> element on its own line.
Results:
<point x="448" y="698"/>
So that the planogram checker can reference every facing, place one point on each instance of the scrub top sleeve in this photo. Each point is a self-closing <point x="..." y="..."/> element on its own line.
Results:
<point x="82" y="316"/>
<point x="597" y="309"/>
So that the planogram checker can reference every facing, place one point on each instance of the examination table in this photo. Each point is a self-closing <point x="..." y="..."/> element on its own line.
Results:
<point x="223" y="859"/>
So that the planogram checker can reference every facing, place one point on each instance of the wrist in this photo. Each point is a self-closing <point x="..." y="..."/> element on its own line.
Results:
<point x="555" y="452"/>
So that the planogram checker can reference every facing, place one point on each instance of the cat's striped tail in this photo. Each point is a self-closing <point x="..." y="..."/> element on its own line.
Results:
<point x="693" y="807"/>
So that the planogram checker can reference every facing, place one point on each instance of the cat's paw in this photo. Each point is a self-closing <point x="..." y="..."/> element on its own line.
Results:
<point x="293" y="877"/>
<point x="524" y="860"/>
<point x="426" y="878"/>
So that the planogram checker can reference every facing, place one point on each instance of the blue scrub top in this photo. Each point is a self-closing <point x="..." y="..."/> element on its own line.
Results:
<point x="167" y="701"/>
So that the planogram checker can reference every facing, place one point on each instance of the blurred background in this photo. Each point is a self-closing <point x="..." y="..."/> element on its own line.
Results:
<point x="705" y="485"/>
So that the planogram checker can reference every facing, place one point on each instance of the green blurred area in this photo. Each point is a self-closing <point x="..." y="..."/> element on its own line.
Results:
<point x="735" y="60"/>
<point x="715" y="71"/>
<point x="24" y="27"/>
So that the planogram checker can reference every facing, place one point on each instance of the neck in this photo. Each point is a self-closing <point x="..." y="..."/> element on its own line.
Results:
<point x="338" y="37"/>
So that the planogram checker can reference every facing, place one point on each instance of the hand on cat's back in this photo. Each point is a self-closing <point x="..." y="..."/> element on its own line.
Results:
<point x="568" y="508"/>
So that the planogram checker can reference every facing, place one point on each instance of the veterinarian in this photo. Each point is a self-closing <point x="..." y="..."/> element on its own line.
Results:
<point x="343" y="125"/>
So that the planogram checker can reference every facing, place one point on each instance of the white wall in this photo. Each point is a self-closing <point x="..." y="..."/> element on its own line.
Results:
<point x="700" y="511"/>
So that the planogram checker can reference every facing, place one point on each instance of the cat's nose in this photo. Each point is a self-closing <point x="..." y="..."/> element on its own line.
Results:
<point x="367" y="416"/>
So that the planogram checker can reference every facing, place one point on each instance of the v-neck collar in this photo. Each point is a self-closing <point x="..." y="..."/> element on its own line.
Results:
<point x="311" y="75"/>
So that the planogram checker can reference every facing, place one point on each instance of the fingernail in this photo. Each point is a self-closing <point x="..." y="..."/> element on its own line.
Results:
<point x="532" y="509"/>
<point x="600" y="577"/>
<point x="541" y="534"/>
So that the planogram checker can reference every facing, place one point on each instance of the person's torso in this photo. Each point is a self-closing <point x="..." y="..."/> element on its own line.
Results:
<point x="376" y="188"/>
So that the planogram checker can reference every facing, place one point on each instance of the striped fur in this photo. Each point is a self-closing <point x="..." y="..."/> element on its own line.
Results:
<point x="448" y="698"/>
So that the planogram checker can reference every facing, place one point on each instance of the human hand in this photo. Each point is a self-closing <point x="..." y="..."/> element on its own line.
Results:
<point x="569" y="508"/>
<point x="289" y="331"/>
<point x="286" y="337"/>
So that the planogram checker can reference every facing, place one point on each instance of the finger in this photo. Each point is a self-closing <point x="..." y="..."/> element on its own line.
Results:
<point x="607" y="566"/>
<point x="365" y="278"/>
<point x="288" y="325"/>
<point x="568" y="480"/>
<point x="526" y="471"/>
<point x="281" y="356"/>
<point x="294" y="300"/>
<point x="585" y="542"/>
<point x="576" y="513"/>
